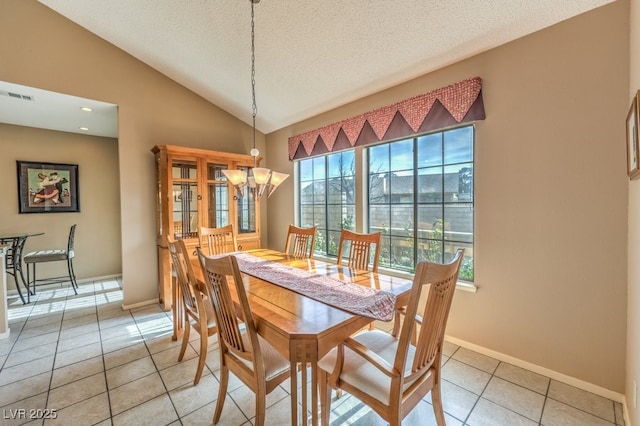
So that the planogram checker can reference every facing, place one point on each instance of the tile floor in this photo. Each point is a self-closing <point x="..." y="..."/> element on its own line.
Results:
<point x="95" y="364"/>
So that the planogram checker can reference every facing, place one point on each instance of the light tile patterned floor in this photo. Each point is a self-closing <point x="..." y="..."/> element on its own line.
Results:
<point x="95" y="364"/>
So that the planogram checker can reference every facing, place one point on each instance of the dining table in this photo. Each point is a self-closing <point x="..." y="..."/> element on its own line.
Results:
<point x="301" y="327"/>
<point x="13" y="259"/>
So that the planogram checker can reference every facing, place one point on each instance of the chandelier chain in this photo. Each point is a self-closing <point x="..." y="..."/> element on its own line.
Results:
<point x="254" y="107"/>
<point x="253" y="64"/>
<point x="258" y="180"/>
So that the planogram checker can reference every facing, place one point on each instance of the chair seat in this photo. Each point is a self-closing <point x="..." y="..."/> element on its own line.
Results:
<point x="46" y="256"/>
<point x="274" y="362"/>
<point x="360" y="373"/>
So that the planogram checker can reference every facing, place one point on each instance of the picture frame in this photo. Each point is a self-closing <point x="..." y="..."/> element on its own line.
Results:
<point x="633" y="149"/>
<point x="47" y="187"/>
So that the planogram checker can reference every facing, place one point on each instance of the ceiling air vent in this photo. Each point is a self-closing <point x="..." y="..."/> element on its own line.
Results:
<point x="17" y="95"/>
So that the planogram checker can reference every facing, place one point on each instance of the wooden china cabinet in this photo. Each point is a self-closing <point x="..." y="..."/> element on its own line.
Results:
<point x="192" y="192"/>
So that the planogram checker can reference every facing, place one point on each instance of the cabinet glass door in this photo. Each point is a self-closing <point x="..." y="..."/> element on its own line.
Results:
<point x="184" y="190"/>
<point x="246" y="208"/>
<point x="159" y="200"/>
<point x="217" y="196"/>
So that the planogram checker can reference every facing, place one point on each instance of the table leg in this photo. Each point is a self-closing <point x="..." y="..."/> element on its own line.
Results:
<point x="13" y="263"/>
<point x="303" y="367"/>
<point x="294" y="391"/>
<point x="314" y="393"/>
<point x="304" y="353"/>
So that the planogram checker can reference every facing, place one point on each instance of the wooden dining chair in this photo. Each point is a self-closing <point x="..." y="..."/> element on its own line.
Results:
<point x="360" y="249"/>
<point x="301" y="241"/>
<point x="218" y="240"/>
<point x="198" y="312"/>
<point x="251" y="358"/>
<point x="386" y="371"/>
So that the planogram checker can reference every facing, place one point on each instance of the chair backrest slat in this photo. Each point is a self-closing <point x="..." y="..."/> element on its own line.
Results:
<point x="441" y="279"/>
<point x="300" y="242"/>
<point x="184" y="275"/>
<point x="217" y="273"/>
<point x="360" y="249"/>
<point x="218" y="240"/>
<point x="223" y="306"/>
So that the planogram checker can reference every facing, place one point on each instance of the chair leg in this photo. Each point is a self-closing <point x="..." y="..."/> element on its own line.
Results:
<point x="261" y="407"/>
<point x="72" y="275"/>
<point x="29" y="292"/>
<point x="203" y="352"/>
<point x="222" y="391"/>
<point x="436" y="399"/>
<point x="325" y="398"/>
<point x="185" y="337"/>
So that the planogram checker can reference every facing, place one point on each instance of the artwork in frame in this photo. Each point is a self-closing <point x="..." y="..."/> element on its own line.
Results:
<point x="633" y="149"/>
<point x="47" y="187"/>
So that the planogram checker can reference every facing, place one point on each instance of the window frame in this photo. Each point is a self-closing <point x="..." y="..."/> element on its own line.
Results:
<point x="327" y="236"/>
<point x="362" y="202"/>
<point x="415" y="201"/>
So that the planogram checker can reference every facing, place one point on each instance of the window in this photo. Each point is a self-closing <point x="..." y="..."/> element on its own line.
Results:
<point x="419" y="194"/>
<point x="327" y="197"/>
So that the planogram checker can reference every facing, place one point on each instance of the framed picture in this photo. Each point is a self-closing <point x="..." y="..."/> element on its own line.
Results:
<point x="47" y="187"/>
<point x="633" y="166"/>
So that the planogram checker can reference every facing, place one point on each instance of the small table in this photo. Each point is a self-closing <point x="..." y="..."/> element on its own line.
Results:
<point x="300" y="328"/>
<point x="13" y="259"/>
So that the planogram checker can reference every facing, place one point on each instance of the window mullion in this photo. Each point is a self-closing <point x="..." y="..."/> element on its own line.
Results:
<point x="444" y="190"/>
<point x="326" y="202"/>
<point x="415" y="202"/>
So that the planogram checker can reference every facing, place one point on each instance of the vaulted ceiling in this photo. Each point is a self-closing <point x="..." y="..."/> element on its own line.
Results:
<point x="311" y="56"/>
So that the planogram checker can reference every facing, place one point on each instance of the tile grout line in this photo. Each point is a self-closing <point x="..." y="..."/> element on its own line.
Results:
<point x="104" y="363"/>
<point x="167" y="392"/>
<point x="55" y="354"/>
<point x="544" y="404"/>
<point x="483" y="390"/>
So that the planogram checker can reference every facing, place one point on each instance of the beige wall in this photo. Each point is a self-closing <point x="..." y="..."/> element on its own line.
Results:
<point x="633" y="265"/>
<point x="551" y="195"/>
<point x="50" y="52"/>
<point x="97" y="241"/>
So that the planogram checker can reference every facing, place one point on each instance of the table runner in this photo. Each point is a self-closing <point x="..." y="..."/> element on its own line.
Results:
<point x="353" y="298"/>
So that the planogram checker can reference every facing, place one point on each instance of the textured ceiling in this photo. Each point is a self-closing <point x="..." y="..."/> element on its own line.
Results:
<point x="311" y="56"/>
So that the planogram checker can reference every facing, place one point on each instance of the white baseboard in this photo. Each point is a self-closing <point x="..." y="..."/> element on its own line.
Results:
<point x="627" y="420"/>
<point x="101" y="278"/>
<point x="14" y="292"/>
<point x="139" y="304"/>
<point x="580" y="384"/>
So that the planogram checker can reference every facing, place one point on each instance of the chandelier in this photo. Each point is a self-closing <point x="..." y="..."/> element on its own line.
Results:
<point x="261" y="179"/>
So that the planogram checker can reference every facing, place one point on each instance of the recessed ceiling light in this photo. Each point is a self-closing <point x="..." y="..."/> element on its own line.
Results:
<point x="87" y="109"/>
<point x="84" y="128"/>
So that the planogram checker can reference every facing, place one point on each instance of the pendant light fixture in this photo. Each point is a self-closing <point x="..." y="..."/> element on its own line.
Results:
<point x="260" y="180"/>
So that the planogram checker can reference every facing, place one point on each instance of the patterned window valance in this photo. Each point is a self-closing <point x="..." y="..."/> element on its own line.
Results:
<point x="447" y="106"/>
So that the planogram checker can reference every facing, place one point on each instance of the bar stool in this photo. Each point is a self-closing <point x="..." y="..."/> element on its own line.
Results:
<point x="41" y="256"/>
